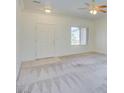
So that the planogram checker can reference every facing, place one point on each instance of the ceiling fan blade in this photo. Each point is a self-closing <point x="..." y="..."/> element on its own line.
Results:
<point x="101" y="3"/>
<point x="104" y="11"/>
<point x="102" y="6"/>
<point x="87" y="4"/>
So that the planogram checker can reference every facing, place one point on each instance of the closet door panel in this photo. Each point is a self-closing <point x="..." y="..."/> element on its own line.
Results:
<point x="45" y="40"/>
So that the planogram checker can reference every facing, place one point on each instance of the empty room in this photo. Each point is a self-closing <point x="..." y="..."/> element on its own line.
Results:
<point x="61" y="46"/>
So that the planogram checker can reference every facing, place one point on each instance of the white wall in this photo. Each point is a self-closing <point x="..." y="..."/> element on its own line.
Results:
<point x="100" y="35"/>
<point x="27" y="45"/>
<point x="18" y="36"/>
<point x="63" y="47"/>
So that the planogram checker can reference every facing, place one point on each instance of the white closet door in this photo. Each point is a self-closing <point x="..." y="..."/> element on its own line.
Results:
<point x="45" y="40"/>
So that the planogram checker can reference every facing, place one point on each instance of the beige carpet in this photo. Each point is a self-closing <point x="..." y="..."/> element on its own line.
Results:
<point x="80" y="73"/>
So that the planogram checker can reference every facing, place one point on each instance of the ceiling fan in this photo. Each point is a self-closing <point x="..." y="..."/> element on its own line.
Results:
<point x="94" y="7"/>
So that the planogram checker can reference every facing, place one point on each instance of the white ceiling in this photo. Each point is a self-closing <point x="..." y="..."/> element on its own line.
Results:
<point x="66" y="7"/>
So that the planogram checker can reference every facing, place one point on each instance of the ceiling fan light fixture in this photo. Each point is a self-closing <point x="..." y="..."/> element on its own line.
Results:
<point x="93" y="11"/>
<point x="47" y="10"/>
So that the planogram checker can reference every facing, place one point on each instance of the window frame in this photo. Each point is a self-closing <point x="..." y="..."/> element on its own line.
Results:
<point x="80" y="36"/>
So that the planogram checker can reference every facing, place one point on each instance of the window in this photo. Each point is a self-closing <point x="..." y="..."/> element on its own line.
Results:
<point x="78" y="36"/>
<point x="75" y="36"/>
<point x="83" y="40"/>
